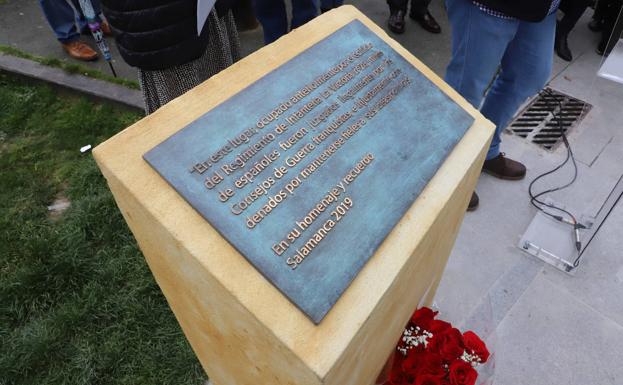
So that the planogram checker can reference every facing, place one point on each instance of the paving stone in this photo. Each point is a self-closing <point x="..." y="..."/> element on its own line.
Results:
<point x="598" y="281"/>
<point x="550" y="337"/>
<point x="92" y="87"/>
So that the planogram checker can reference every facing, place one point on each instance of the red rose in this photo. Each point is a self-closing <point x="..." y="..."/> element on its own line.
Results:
<point x="474" y="345"/>
<point x="431" y="364"/>
<point x="438" y="326"/>
<point x="410" y="364"/>
<point x="413" y="361"/>
<point x="422" y="317"/>
<point x="449" y="344"/>
<point x="462" y="373"/>
<point x="428" y="380"/>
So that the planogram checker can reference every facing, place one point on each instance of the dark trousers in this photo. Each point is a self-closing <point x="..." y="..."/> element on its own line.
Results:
<point x="272" y="15"/>
<point x="66" y="21"/>
<point x="601" y="9"/>
<point x="418" y="7"/>
<point x="329" y="4"/>
<point x="613" y="28"/>
<point x="573" y="9"/>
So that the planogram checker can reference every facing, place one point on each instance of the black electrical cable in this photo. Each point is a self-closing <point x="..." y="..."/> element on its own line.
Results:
<point x="534" y="198"/>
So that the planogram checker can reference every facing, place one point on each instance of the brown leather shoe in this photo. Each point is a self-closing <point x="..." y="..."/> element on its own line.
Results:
<point x="396" y="22"/>
<point x="79" y="50"/>
<point x="427" y="21"/>
<point x="473" y="202"/>
<point x="504" y="168"/>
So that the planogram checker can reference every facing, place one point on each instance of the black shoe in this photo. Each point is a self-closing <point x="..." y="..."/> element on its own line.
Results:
<point x="473" y="202"/>
<point x="561" y="46"/>
<point x="603" y="49"/>
<point x="427" y="21"/>
<point x="595" y="25"/>
<point x="396" y="22"/>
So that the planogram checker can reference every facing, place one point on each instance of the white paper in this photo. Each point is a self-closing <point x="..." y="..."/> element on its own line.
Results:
<point x="203" y="10"/>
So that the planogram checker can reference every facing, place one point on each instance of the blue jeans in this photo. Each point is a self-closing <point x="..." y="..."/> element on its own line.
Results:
<point x="64" y="21"/>
<point x="272" y="15"/>
<point x="481" y="43"/>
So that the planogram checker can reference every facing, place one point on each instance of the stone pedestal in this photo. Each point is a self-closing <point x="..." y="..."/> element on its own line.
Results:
<point x="244" y="331"/>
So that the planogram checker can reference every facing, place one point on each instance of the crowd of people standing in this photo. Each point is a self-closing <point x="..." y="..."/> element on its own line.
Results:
<point x="502" y="51"/>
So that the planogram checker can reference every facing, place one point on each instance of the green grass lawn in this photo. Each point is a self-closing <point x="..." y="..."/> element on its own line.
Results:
<point x="78" y="304"/>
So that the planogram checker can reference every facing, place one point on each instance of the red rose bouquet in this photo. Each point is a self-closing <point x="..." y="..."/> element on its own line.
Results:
<point x="432" y="352"/>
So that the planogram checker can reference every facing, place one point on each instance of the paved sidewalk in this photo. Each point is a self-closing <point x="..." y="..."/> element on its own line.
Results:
<point x="23" y="26"/>
<point x="550" y="328"/>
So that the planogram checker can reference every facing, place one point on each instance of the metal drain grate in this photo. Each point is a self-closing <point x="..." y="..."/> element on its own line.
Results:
<point x="540" y="122"/>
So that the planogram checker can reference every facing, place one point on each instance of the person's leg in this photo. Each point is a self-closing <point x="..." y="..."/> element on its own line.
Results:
<point x="573" y="10"/>
<point x="303" y="11"/>
<point x="97" y="7"/>
<point x="419" y="12"/>
<point x="397" y="12"/>
<point x="597" y="21"/>
<point x="326" y="5"/>
<point x="80" y="19"/>
<point x="419" y="7"/>
<point x="272" y="16"/>
<point x="611" y="28"/>
<point x="526" y="67"/>
<point x="601" y="9"/>
<point x="479" y="41"/>
<point x="397" y="5"/>
<point x="62" y="19"/>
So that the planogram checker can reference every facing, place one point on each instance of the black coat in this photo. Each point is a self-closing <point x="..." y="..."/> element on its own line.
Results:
<point x="158" y="34"/>
<point x="527" y="10"/>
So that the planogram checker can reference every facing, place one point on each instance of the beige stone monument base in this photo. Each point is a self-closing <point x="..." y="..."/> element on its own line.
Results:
<point x="244" y="331"/>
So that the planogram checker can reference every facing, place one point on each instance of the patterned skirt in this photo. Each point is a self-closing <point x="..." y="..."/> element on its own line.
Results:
<point x="161" y="86"/>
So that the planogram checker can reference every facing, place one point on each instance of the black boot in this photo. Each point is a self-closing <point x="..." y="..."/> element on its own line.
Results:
<point x="596" y="25"/>
<point x="602" y="48"/>
<point x="473" y="202"/>
<point x="561" y="46"/>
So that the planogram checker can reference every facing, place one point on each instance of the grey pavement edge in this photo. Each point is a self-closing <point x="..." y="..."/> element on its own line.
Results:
<point x="98" y="89"/>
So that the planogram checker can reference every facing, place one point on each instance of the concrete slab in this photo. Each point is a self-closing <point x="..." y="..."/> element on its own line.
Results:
<point x="486" y="246"/>
<point x="550" y="337"/>
<point x="87" y="86"/>
<point x="599" y="280"/>
<point x="501" y="296"/>
<point x="546" y="313"/>
<point x="595" y="132"/>
<point x="610" y="161"/>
